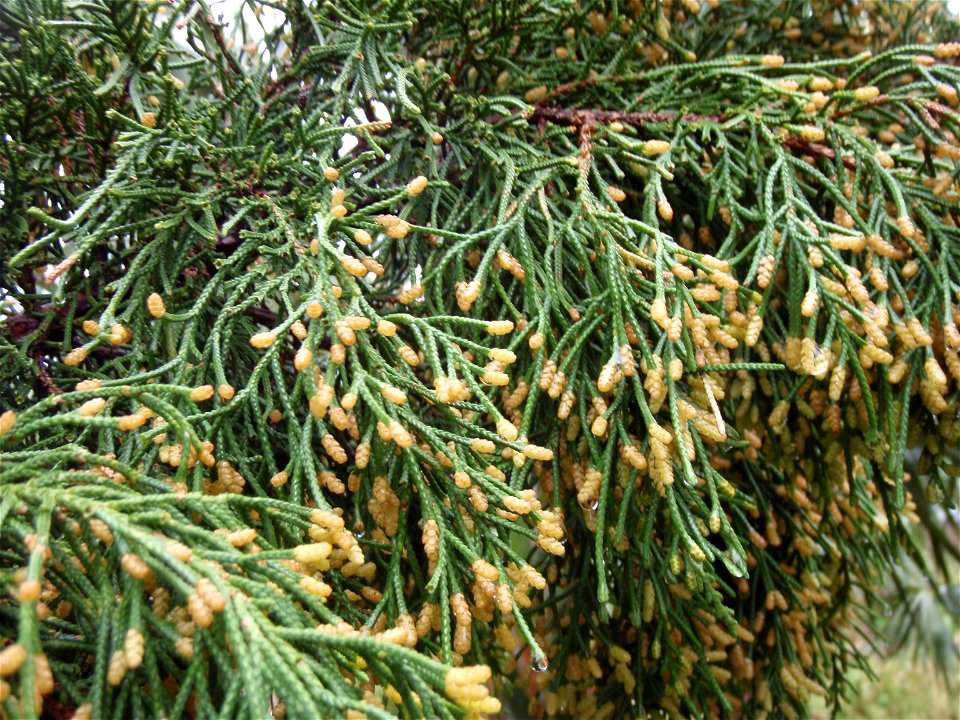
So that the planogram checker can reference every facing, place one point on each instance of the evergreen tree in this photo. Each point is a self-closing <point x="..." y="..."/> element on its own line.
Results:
<point x="426" y="358"/>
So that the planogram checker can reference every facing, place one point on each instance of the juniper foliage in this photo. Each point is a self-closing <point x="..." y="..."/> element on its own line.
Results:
<point x="374" y="359"/>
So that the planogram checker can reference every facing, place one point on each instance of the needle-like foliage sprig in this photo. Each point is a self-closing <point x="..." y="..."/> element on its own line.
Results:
<point x="360" y="354"/>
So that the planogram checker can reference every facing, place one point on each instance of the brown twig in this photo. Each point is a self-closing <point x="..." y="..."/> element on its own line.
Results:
<point x="799" y="145"/>
<point x="920" y="104"/>
<point x="262" y="315"/>
<point x="216" y="30"/>
<point x="44" y="375"/>
<point x="80" y="122"/>
<point x="580" y="116"/>
<point x="64" y="141"/>
<point x="879" y="100"/>
<point x="586" y="148"/>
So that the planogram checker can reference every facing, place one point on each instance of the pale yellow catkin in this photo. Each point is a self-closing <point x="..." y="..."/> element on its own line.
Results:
<point x="156" y="306"/>
<point x="500" y="327"/>
<point x="416" y="186"/>
<point x="7" y="421"/>
<point x="201" y="393"/>
<point x="263" y="340"/>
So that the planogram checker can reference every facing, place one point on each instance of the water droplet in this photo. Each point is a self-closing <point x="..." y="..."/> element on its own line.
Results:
<point x="734" y="563"/>
<point x="539" y="663"/>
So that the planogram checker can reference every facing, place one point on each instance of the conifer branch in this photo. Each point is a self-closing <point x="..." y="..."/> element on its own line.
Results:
<point x="583" y="378"/>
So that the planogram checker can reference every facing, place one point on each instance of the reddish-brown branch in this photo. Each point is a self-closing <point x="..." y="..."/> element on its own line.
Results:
<point x="586" y="148"/>
<point x="44" y="375"/>
<point x="262" y="315"/>
<point x="216" y="31"/>
<point x="581" y="116"/>
<point x="799" y="145"/>
<point x="879" y="100"/>
<point x="587" y="120"/>
<point x="79" y="121"/>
